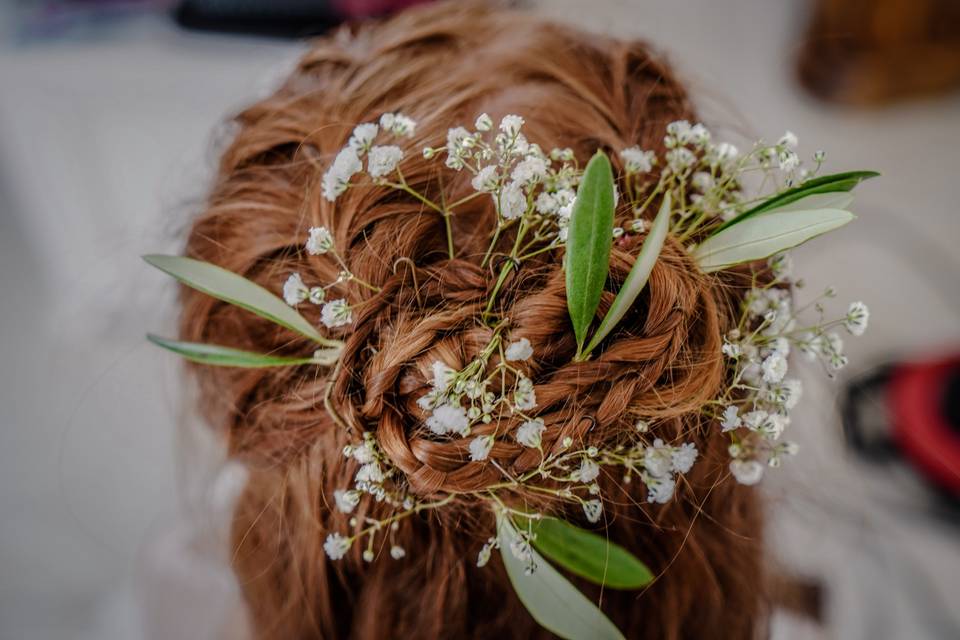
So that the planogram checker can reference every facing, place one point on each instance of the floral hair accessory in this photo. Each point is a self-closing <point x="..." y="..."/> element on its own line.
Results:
<point x="550" y="204"/>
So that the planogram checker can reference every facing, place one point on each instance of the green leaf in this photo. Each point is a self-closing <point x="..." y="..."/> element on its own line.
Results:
<point x="836" y="182"/>
<point x="550" y="598"/>
<point x="764" y="235"/>
<point x="589" y="240"/>
<point x="589" y="555"/>
<point x="837" y="200"/>
<point x="638" y="276"/>
<point x="228" y="357"/>
<point x="237" y="290"/>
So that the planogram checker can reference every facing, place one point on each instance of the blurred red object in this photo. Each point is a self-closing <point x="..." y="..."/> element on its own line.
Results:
<point x="924" y="401"/>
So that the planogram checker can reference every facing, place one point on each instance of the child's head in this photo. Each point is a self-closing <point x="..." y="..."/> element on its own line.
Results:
<point x="443" y="66"/>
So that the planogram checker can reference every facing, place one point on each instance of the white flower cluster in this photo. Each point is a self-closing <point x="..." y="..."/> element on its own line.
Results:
<point x="524" y="182"/>
<point x="333" y="313"/>
<point x="381" y="160"/>
<point x="457" y="400"/>
<point x="759" y="397"/>
<point x="703" y="177"/>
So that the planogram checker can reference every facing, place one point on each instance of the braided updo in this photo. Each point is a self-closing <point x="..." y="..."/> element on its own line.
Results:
<point x="444" y="65"/>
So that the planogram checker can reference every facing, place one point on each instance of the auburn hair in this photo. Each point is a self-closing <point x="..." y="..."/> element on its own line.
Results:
<point x="443" y="65"/>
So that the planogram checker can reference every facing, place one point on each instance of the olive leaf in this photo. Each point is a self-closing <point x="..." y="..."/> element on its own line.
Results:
<point x="836" y="182"/>
<point x="589" y="239"/>
<point x="589" y="555"/>
<point x="764" y="235"/>
<point x="237" y="290"/>
<point x="549" y="597"/>
<point x="638" y="276"/>
<point x="229" y="357"/>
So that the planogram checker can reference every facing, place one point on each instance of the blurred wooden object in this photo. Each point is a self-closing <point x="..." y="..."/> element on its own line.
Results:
<point x="869" y="52"/>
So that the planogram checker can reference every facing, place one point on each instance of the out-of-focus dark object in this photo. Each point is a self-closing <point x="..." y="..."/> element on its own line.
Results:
<point x="281" y="18"/>
<point x="868" y="52"/>
<point x="911" y="411"/>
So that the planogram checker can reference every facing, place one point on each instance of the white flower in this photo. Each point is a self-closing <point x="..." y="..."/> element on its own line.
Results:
<point x="636" y="160"/>
<point x="368" y="555"/>
<point x="442" y="375"/>
<point x="746" y="471"/>
<point x="480" y="448"/>
<point x="774" y="367"/>
<point x="831" y="347"/>
<point x="699" y="134"/>
<point x="856" y="319"/>
<point x="363" y="135"/>
<point x="483" y="123"/>
<point x="346" y="501"/>
<point x="511" y="201"/>
<point x="701" y="181"/>
<point x="519" y="350"/>
<point x="336" y="313"/>
<point x="484" y="556"/>
<point x="683" y="457"/>
<point x="731" y="349"/>
<point x="336" y="180"/>
<point x="788" y="140"/>
<point x="398" y="124"/>
<point x="364" y="454"/>
<point x="642" y="426"/>
<point x="658" y="459"/>
<point x="530" y="433"/>
<point x="639" y="226"/>
<point x="731" y="419"/>
<point x="397" y="552"/>
<point x="724" y="153"/>
<point x="679" y="159"/>
<point x="588" y="471"/>
<point x="294" y="291"/>
<point x="510" y="125"/>
<point x="546" y="203"/>
<point x="370" y="472"/>
<point x="678" y="133"/>
<point x="320" y="241"/>
<point x="660" y="489"/>
<point x="458" y="140"/>
<point x="788" y="160"/>
<point x="336" y="546"/>
<point x="781" y="265"/>
<point x="317" y="295"/>
<point x="383" y="160"/>
<point x="530" y="170"/>
<point x="486" y="180"/>
<point x="524" y="397"/>
<point x="593" y="509"/>
<point x="448" y="418"/>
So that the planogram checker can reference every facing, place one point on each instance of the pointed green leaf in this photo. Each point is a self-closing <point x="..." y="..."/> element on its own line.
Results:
<point x="235" y="289"/>
<point x="229" y="357"/>
<point x="638" y="276"/>
<point x="550" y="598"/>
<point x="589" y="239"/>
<point x="764" y="235"/>
<point x="589" y="555"/>
<point x="837" y="200"/>
<point x="836" y="182"/>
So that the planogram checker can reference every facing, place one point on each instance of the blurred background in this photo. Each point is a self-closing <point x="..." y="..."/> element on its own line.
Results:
<point x="111" y="115"/>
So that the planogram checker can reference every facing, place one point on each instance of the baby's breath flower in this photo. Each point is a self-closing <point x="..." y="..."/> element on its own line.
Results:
<point x="731" y="419"/>
<point x="524" y="397"/>
<point x="480" y="448"/>
<point x="398" y="124"/>
<point x="397" y="552"/>
<point x="448" y="418"/>
<point x="294" y="291"/>
<point x="642" y="426"/>
<point x="370" y="472"/>
<point x="336" y="546"/>
<point x="856" y="319"/>
<point x="383" y="160"/>
<point x="639" y="226"/>
<point x="486" y="180"/>
<point x="530" y="433"/>
<point x="483" y="123"/>
<point x="510" y="124"/>
<point x="774" y="367"/>
<point x="484" y="556"/>
<point x="336" y="180"/>
<point x="788" y="140"/>
<point x="593" y="509"/>
<point x="336" y="313"/>
<point x="346" y="501"/>
<point x="781" y="265"/>
<point x="636" y="160"/>
<point x="368" y="555"/>
<point x="659" y="488"/>
<point x="533" y="169"/>
<point x="519" y="350"/>
<point x="680" y="159"/>
<point x="317" y="295"/>
<point x="588" y="471"/>
<point x="683" y="457"/>
<point x="746" y="472"/>
<point x="788" y="160"/>
<point x="511" y="201"/>
<point x="362" y="138"/>
<point x="319" y="242"/>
